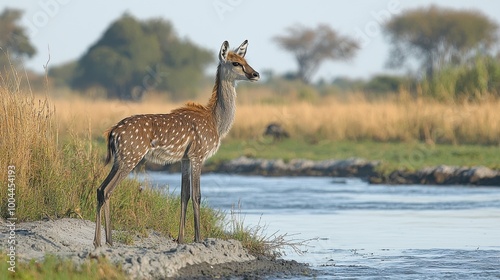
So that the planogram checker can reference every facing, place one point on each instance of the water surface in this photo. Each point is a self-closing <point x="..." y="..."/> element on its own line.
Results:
<point x="362" y="231"/>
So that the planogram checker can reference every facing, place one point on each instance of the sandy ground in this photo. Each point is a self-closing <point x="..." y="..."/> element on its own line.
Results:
<point x="152" y="257"/>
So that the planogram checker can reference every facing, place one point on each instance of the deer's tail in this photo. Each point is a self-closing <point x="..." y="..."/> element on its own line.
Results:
<point x="111" y="145"/>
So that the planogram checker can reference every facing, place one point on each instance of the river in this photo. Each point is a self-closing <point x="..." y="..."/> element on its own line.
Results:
<point x="362" y="231"/>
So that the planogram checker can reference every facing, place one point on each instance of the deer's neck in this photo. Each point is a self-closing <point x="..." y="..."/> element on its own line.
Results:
<point x="223" y="102"/>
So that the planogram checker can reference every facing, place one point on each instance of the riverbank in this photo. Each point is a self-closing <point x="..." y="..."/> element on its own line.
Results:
<point x="361" y="168"/>
<point x="151" y="257"/>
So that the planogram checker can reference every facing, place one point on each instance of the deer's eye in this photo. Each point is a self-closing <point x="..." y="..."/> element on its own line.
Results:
<point x="236" y="64"/>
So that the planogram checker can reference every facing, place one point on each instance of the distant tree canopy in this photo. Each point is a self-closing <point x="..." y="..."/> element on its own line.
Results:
<point x="312" y="46"/>
<point x="439" y="36"/>
<point x="133" y="57"/>
<point x="14" y="41"/>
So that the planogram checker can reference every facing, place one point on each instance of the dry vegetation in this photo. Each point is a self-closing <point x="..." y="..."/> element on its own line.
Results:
<point x="401" y="119"/>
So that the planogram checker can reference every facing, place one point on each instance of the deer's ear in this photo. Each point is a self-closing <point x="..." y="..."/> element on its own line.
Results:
<point x="223" y="51"/>
<point x="242" y="49"/>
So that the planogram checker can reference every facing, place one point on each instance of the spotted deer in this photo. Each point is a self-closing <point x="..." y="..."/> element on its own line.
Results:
<point x="189" y="134"/>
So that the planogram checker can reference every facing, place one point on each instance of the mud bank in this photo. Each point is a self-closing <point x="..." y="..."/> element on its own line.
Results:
<point x="364" y="169"/>
<point x="354" y="167"/>
<point x="152" y="257"/>
<point x="442" y="175"/>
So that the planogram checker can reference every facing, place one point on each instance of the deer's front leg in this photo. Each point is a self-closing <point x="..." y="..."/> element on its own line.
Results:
<point x="185" y="193"/>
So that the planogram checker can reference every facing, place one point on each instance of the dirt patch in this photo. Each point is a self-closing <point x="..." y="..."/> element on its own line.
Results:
<point x="152" y="257"/>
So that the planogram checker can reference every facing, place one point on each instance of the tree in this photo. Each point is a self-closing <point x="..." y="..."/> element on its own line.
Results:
<point x="311" y="47"/>
<point x="133" y="57"/>
<point x="438" y="37"/>
<point x="14" y="42"/>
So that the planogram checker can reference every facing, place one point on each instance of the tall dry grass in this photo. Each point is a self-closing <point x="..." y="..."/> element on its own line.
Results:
<point x="390" y="120"/>
<point x="356" y="118"/>
<point x="81" y="115"/>
<point x="51" y="179"/>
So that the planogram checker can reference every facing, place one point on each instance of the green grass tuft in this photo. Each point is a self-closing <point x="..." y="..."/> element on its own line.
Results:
<point x="55" y="268"/>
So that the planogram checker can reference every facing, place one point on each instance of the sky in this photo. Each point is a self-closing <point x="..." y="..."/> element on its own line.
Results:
<point x="65" y="29"/>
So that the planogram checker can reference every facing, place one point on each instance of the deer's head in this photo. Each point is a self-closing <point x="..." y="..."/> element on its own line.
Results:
<point x="234" y="65"/>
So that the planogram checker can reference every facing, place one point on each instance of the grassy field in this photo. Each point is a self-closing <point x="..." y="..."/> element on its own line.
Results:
<point x="402" y="132"/>
<point x="400" y="119"/>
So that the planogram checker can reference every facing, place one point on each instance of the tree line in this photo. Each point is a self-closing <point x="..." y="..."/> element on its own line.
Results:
<point x="134" y="56"/>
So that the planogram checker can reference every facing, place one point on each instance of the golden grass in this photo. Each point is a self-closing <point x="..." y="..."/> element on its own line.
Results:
<point x="81" y="114"/>
<point x="356" y="118"/>
<point x="25" y="136"/>
<point x="411" y="120"/>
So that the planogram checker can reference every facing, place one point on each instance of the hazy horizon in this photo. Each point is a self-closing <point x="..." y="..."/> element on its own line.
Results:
<point x="68" y="28"/>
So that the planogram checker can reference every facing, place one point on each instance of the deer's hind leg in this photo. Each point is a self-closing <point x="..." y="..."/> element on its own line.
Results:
<point x="100" y="203"/>
<point x="104" y="192"/>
